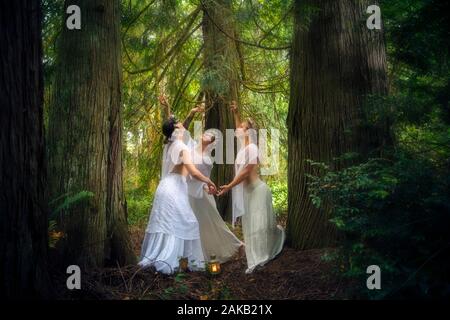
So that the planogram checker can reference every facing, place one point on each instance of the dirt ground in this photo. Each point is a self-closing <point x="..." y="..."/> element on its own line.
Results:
<point x="292" y="275"/>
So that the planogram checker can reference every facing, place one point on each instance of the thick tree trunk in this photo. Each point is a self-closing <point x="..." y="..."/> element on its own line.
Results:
<point x="336" y="62"/>
<point x="85" y="137"/>
<point x="221" y="82"/>
<point x="23" y="202"/>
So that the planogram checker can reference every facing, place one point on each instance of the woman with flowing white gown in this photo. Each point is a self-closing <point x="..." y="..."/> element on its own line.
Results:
<point x="252" y="200"/>
<point x="217" y="239"/>
<point x="173" y="230"/>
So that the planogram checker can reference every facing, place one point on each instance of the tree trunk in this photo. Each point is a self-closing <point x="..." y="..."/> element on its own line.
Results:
<point x="85" y="138"/>
<point x="336" y="62"/>
<point x="221" y="82"/>
<point x="23" y="202"/>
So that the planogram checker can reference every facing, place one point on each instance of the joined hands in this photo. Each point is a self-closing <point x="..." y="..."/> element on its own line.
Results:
<point x="213" y="190"/>
<point x="223" y="189"/>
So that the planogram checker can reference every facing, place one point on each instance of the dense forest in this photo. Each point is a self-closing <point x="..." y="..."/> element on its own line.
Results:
<point x="363" y="116"/>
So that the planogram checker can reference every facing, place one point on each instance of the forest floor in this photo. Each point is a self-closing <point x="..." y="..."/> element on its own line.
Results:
<point x="292" y="275"/>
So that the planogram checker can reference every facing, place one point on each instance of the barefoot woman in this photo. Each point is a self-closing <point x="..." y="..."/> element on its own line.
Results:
<point x="216" y="238"/>
<point x="252" y="199"/>
<point x="173" y="230"/>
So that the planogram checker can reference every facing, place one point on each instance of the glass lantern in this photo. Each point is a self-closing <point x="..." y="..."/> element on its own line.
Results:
<point x="214" y="266"/>
<point x="183" y="264"/>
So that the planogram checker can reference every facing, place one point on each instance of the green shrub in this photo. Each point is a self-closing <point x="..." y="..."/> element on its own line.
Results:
<point x="138" y="205"/>
<point x="279" y="196"/>
<point x="394" y="213"/>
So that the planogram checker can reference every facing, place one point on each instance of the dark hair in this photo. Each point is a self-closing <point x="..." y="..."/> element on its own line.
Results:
<point x="168" y="127"/>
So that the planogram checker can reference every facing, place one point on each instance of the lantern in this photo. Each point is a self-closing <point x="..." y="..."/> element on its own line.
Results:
<point x="183" y="264"/>
<point x="214" y="265"/>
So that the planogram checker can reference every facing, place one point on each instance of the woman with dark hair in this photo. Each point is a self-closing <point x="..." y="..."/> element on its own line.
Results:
<point x="216" y="238"/>
<point x="173" y="230"/>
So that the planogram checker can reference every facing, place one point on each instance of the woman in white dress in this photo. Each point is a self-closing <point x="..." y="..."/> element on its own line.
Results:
<point x="173" y="230"/>
<point x="217" y="239"/>
<point x="252" y="199"/>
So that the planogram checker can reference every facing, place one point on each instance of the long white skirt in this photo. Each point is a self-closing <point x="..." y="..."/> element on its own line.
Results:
<point x="263" y="238"/>
<point x="216" y="237"/>
<point x="172" y="231"/>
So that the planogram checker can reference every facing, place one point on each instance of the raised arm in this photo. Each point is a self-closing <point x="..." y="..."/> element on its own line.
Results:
<point x="236" y="115"/>
<point x="165" y="106"/>
<point x="188" y="120"/>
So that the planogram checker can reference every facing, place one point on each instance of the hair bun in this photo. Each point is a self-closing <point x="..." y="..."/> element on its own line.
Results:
<point x="168" y="127"/>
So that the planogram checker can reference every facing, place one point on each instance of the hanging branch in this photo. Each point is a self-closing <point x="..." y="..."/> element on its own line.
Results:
<point x="186" y="33"/>
<point x="268" y="32"/>
<point x="186" y="74"/>
<point x="143" y="105"/>
<point x="188" y="83"/>
<point x="241" y="41"/>
<point x="241" y="58"/>
<point x="134" y="112"/>
<point x="128" y="28"/>
<point x="176" y="52"/>
<point x="138" y="16"/>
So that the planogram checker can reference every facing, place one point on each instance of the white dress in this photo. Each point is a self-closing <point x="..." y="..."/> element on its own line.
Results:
<point x="216" y="237"/>
<point x="172" y="231"/>
<point x="263" y="238"/>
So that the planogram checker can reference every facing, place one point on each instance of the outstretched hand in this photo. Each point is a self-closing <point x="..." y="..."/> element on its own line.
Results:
<point x="223" y="189"/>
<point x="163" y="100"/>
<point x="198" y="109"/>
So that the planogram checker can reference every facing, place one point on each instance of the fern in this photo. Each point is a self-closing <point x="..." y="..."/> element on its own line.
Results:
<point x="69" y="201"/>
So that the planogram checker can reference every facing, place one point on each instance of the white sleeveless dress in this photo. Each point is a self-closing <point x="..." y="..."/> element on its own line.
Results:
<point x="173" y="230"/>
<point x="216" y="237"/>
<point x="263" y="238"/>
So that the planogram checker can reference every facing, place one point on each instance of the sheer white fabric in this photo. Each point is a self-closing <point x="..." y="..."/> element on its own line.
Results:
<point x="173" y="230"/>
<point x="263" y="238"/>
<point x="179" y="141"/>
<point x="246" y="155"/>
<point x="171" y="212"/>
<point x="216" y="237"/>
<point x="163" y="251"/>
<point x="196" y="187"/>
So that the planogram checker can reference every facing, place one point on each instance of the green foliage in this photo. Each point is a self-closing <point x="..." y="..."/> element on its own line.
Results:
<point x="138" y="204"/>
<point x="61" y="205"/>
<point x="279" y="196"/>
<point x="417" y="41"/>
<point x="394" y="213"/>
<point x="157" y="59"/>
<point x="68" y="201"/>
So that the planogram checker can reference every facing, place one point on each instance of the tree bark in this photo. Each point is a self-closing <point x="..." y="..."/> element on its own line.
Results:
<point x="23" y="202"/>
<point x="85" y="138"/>
<point x="221" y="82"/>
<point x="336" y="62"/>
